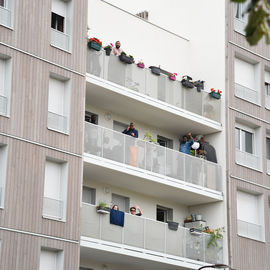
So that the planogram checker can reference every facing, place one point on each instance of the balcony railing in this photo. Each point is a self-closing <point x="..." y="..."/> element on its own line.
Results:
<point x="3" y="105"/>
<point x="107" y="143"/>
<point x="246" y="93"/>
<point x="247" y="159"/>
<point x="250" y="230"/>
<point x="158" y="87"/>
<point x="148" y="235"/>
<point x="267" y="102"/>
<point x="5" y="16"/>
<point x="57" y="122"/>
<point x="52" y="208"/>
<point x="268" y="166"/>
<point x="60" y="39"/>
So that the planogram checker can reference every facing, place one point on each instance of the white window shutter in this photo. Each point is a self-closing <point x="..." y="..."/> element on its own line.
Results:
<point x="56" y="102"/>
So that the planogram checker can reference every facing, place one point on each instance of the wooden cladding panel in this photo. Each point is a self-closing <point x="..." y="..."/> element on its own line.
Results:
<point x="29" y="103"/>
<point x="25" y="188"/>
<point x="22" y="252"/>
<point x="34" y="33"/>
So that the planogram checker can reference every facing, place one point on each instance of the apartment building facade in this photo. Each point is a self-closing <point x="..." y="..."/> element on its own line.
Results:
<point x="248" y="145"/>
<point x="42" y="77"/>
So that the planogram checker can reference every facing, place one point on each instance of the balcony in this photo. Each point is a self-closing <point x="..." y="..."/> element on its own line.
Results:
<point x="3" y="105"/>
<point x="152" y="161"/>
<point x="246" y="93"/>
<point x="250" y="230"/>
<point x="247" y="159"/>
<point x="146" y="236"/>
<point x="5" y="16"/>
<point x="152" y="87"/>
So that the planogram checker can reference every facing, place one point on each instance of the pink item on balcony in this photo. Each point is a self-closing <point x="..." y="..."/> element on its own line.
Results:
<point x="173" y="78"/>
<point x="140" y="65"/>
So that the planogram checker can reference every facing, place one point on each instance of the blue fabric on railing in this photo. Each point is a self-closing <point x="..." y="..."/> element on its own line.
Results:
<point x="117" y="217"/>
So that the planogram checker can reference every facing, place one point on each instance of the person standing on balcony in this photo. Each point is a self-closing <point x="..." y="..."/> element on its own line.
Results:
<point x="207" y="149"/>
<point x="186" y="143"/>
<point x="131" y="131"/>
<point x="116" y="50"/>
<point x="133" y="210"/>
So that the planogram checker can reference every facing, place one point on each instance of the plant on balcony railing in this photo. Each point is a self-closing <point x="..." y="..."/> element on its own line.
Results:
<point x="140" y="64"/>
<point x="155" y="70"/>
<point x="95" y="44"/>
<point x="108" y="49"/>
<point x="215" y="93"/>
<point x="187" y="82"/>
<point x="172" y="76"/>
<point x="149" y="137"/>
<point x="128" y="59"/>
<point x="103" y="208"/>
<point x="215" y="236"/>
<point x="199" y="85"/>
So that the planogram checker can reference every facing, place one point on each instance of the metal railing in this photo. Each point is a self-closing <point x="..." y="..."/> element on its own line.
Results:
<point x="60" y="39"/>
<point x="53" y="208"/>
<point x="113" y="145"/>
<point x="267" y="102"/>
<point x="158" y="87"/>
<point x="246" y="93"/>
<point x="3" y="105"/>
<point x="247" y="159"/>
<point x="250" y="230"/>
<point x="150" y="235"/>
<point x="5" y="16"/>
<point x="57" y="122"/>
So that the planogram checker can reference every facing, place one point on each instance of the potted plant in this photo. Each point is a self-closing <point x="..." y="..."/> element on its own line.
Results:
<point x="187" y="82"/>
<point x="155" y="70"/>
<point x="95" y="44"/>
<point x="108" y="49"/>
<point x="172" y="225"/>
<point x="215" y="93"/>
<point x="140" y="64"/>
<point x="199" y="85"/>
<point x="103" y="208"/>
<point x="172" y="76"/>
<point x="148" y="137"/>
<point x="215" y="236"/>
<point x="128" y="59"/>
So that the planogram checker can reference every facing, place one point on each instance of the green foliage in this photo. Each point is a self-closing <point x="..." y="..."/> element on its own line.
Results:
<point x="102" y="204"/>
<point x="148" y="136"/>
<point x="258" y="21"/>
<point x="215" y="236"/>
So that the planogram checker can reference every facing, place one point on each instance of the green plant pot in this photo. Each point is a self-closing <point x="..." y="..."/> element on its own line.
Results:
<point x="215" y="95"/>
<point x="95" y="46"/>
<point x="125" y="59"/>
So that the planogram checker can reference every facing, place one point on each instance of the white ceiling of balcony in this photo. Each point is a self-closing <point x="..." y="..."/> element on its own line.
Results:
<point x="148" y="186"/>
<point x="146" y="112"/>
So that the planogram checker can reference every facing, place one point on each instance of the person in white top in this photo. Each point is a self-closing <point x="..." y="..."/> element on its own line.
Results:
<point x="117" y="50"/>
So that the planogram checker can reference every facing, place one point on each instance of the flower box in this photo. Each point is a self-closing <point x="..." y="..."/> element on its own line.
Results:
<point x="108" y="51"/>
<point x="126" y="59"/>
<point x="103" y="210"/>
<point x="155" y="70"/>
<point x="94" y="45"/>
<point x="173" y="225"/>
<point x="199" y="85"/>
<point x="215" y="95"/>
<point x="140" y="65"/>
<point x="187" y="84"/>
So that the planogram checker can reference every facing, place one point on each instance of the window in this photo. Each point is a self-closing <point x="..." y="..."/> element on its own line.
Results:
<point x="163" y="141"/>
<point x="247" y="82"/>
<point x="51" y="259"/>
<point x="3" y="170"/>
<point x="121" y="201"/>
<point x="268" y="154"/>
<point x="250" y="215"/>
<point x="118" y="126"/>
<point x="240" y="17"/>
<point x="244" y="140"/>
<point x="89" y="195"/>
<point x="164" y="214"/>
<point x="58" y="104"/>
<point x="55" y="189"/>
<point x="6" y="12"/>
<point x="5" y="84"/>
<point x="267" y="89"/>
<point x="61" y="24"/>
<point x="91" y="118"/>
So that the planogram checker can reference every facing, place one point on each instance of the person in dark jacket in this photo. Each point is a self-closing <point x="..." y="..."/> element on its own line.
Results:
<point x="131" y="131"/>
<point x="208" y="150"/>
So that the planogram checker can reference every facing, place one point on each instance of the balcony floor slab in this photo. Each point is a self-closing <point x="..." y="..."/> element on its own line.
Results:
<point x="148" y="183"/>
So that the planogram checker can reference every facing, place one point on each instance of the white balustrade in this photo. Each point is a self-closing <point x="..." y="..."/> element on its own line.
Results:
<point x="57" y="122"/>
<point x="247" y="159"/>
<point x="250" y="230"/>
<point x="52" y="208"/>
<point x="246" y="93"/>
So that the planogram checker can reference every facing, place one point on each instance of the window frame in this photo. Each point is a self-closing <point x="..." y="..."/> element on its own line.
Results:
<point x="56" y="22"/>
<point x="94" y="199"/>
<point x="243" y="129"/>
<point x="167" y="210"/>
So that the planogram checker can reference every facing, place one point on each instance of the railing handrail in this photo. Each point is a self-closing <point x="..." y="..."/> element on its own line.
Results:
<point x="58" y="200"/>
<point x="246" y="153"/>
<point x="60" y="32"/>
<point x="256" y="224"/>
<point x="157" y="145"/>
<point x="7" y="9"/>
<point x="64" y="116"/>
<point x="3" y="96"/>
<point x="253" y="90"/>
